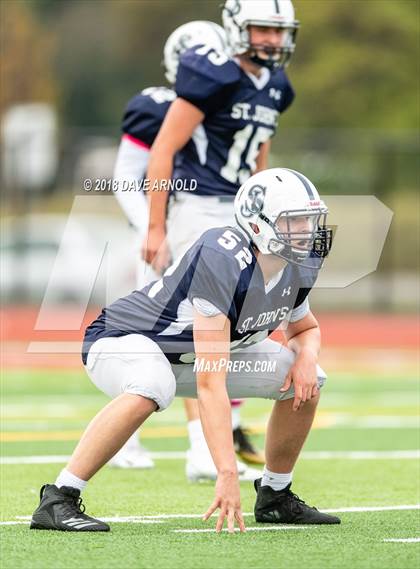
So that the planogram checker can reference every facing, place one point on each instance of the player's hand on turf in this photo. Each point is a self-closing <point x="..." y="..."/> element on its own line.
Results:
<point x="155" y="250"/>
<point x="228" y="499"/>
<point x="303" y="374"/>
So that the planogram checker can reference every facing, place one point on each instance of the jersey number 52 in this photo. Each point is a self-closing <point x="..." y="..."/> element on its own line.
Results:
<point x="229" y="241"/>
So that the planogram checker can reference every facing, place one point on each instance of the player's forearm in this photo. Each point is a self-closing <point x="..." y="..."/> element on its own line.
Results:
<point x="262" y="158"/>
<point x="304" y="335"/>
<point x="216" y="419"/>
<point x="211" y="342"/>
<point x="308" y="342"/>
<point x="129" y="171"/>
<point x="158" y="174"/>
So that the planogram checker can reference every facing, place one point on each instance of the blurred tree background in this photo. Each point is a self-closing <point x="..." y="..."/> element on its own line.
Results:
<point x="354" y="125"/>
<point x="356" y="64"/>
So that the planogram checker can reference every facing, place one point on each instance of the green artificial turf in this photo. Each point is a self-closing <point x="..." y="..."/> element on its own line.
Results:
<point x="48" y="402"/>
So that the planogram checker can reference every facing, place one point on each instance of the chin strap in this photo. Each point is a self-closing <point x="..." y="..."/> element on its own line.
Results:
<point x="268" y="63"/>
<point x="282" y="60"/>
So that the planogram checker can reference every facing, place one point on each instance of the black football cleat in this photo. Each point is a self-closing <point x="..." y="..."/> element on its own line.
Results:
<point x="284" y="507"/>
<point x="62" y="509"/>
<point x="245" y="449"/>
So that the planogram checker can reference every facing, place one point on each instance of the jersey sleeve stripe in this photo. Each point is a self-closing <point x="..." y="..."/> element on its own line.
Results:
<point x="300" y="311"/>
<point x="136" y="141"/>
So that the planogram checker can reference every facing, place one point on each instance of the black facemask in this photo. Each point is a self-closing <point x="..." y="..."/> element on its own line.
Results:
<point x="273" y="60"/>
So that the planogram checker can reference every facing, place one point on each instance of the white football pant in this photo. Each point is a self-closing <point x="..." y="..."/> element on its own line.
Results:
<point x="136" y="364"/>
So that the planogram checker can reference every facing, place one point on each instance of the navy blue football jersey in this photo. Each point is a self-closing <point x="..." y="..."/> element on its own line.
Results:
<point x="221" y="268"/>
<point x="144" y="113"/>
<point x="241" y="113"/>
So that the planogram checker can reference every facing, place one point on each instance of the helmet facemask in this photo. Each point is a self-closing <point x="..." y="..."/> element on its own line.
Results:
<point x="283" y="215"/>
<point x="273" y="56"/>
<point x="305" y="244"/>
<point x="239" y="15"/>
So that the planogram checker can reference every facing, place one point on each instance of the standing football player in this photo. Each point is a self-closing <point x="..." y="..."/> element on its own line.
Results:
<point x="143" y="117"/>
<point x="142" y="120"/>
<point x="218" y="133"/>
<point x="220" y="125"/>
<point x="202" y="331"/>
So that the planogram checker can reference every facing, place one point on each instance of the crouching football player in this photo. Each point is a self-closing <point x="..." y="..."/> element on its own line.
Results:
<point x="201" y="331"/>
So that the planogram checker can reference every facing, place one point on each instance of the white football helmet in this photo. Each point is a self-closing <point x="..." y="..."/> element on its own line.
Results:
<point x="187" y="36"/>
<point x="237" y="15"/>
<point x="282" y="213"/>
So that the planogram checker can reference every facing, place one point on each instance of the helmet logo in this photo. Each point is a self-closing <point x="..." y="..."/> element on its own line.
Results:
<point x="254" y="201"/>
<point x="183" y="44"/>
<point x="234" y="10"/>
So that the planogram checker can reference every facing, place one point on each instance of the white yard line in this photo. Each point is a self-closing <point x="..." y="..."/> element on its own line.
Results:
<point x="141" y="519"/>
<point x="115" y="520"/>
<point x="180" y="455"/>
<point x="131" y="520"/>
<point x="330" y="511"/>
<point x="37" y="459"/>
<point x="361" y="454"/>
<point x="371" y="509"/>
<point x="54" y="411"/>
<point x="379" y="422"/>
<point x="156" y="518"/>
<point x="405" y="540"/>
<point x="250" y="528"/>
<point x="63" y="458"/>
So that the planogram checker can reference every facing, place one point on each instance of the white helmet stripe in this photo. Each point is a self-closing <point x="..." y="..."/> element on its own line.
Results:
<point x="304" y="182"/>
